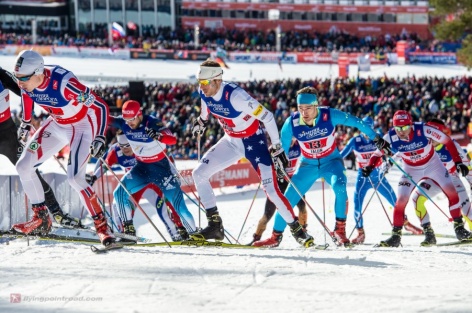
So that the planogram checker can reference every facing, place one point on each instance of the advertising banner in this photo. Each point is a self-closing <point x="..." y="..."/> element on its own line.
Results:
<point x="432" y="58"/>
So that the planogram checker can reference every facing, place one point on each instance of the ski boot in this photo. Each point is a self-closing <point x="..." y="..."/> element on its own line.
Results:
<point x="340" y="233"/>
<point x="214" y="230"/>
<point x="462" y="234"/>
<point x="65" y="219"/>
<point x="40" y="224"/>
<point x="412" y="228"/>
<point x="301" y="236"/>
<point x="103" y="232"/>
<point x="183" y="233"/>
<point x="394" y="240"/>
<point x="429" y="238"/>
<point x="272" y="242"/>
<point x="255" y="238"/>
<point x="360" y="237"/>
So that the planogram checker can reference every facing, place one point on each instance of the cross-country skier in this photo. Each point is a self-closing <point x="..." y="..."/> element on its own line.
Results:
<point x="413" y="143"/>
<point x="10" y="146"/>
<point x="363" y="148"/>
<point x="148" y="139"/>
<point x="240" y="116"/>
<point x="432" y="189"/>
<point x="314" y="127"/>
<point x="77" y="117"/>
<point x="121" y="153"/>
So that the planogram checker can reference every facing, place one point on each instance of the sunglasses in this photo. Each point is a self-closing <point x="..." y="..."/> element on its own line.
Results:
<point x="130" y="119"/>
<point x="24" y="78"/>
<point x="204" y="82"/>
<point x="402" y="128"/>
<point x="125" y="146"/>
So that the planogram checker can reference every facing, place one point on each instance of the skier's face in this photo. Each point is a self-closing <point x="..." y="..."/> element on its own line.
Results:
<point x="126" y="149"/>
<point x="29" y="82"/>
<point x="210" y="87"/>
<point x="403" y="132"/>
<point x="308" y="113"/>
<point x="134" y="122"/>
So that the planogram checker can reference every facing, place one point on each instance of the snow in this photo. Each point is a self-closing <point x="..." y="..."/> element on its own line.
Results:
<point x="63" y="277"/>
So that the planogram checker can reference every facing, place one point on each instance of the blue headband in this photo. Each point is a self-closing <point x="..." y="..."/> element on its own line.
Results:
<point x="307" y="98"/>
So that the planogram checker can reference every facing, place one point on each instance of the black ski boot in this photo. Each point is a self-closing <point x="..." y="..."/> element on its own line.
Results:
<point x="301" y="236"/>
<point x="214" y="230"/>
<point x="128" y="229"/>
<point x="183" y="233"/>
<point x="462" y="234"/>
<point x="394" y="240"/>
<point x="429" y="237"/>
<point x="65" y="219"/>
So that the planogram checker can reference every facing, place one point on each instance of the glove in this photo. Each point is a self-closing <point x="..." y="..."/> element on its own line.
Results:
<point x="23" y="132"/>
<point x="279" y="158"/>
<point x="154" y="134"/>
<point x="90" y="179"/>
<point x="385" y="167"/>
<point x="462" y="168"/>
<point x="199" y="126"/>
<point x="98" y="147"/>
<point x="382" y="145"/>
<point x="367" y="170"/>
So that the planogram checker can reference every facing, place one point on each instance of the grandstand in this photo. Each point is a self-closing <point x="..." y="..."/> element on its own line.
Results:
<point x="357" y="17"/>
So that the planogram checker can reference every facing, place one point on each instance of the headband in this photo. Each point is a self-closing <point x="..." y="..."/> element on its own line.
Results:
<point x="307" y="98"/>
<point x="207" y="72"/>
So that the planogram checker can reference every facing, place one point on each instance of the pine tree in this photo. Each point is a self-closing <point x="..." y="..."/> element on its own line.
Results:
<point x="457" y="27"/>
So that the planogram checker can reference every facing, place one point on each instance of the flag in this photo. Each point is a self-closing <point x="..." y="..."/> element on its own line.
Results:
<point x="117" y="31"/>
<point x="131" y="25"/>
<point x="221" y="62"/>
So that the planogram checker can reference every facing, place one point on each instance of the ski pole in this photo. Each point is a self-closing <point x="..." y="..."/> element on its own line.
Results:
<point x="186" y="182"/>
<point x="380" y="200"/>
<point x="249" y="211"/>
<point x="324" y="208"/>
<point x="199" y="201"/>
<point x="280" y="167"/>
<point x="133" y="200"/>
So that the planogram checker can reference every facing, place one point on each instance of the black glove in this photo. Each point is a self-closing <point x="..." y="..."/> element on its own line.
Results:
<point x="154" y="134"/>
<point x="98" y="147"/>
<point x="279" y="158"/>
<point x="90" y="179"/>
<point x="199" y="126"/>
<point x="462" y="168"/>
<point x="23" y="132"/>
<point x="382" y="145"/>
<point x="367" y="170"/>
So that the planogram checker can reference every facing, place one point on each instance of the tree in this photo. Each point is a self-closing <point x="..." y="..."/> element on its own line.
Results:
<point x="458" y="25"/>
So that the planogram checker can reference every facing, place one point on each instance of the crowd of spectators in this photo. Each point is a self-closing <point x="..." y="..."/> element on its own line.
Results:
<point x="209" y="39"/>
<point x="177" y="104"/>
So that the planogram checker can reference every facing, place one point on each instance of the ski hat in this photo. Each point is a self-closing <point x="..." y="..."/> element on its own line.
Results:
<point x="122" y="140"/>
<point x="29" y="62"/>
<point x="368" y="121"/>
<point x="402" y="118"/>
<point x="210" y="72"/>
<point x="131" y="109"/>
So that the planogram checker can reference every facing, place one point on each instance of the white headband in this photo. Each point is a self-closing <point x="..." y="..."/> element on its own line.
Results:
<point x="207" y="72"/>
<point x="122" y="140"/>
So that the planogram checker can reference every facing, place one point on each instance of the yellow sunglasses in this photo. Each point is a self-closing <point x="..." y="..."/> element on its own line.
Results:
<point x="402" y="128"/>
<point x="204" y="82"/>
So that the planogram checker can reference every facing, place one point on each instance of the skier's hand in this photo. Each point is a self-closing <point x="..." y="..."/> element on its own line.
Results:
<point x="199" y="126"/>
<point x="367" y="170"/>
<point x="462" y="168"/>
<point x="154" y="134"/>
<point x="279" y="158"/>
<point x="90" y="179"/>
<point x="383" y="145"/>
<point x="23" y="132"/>
<point x="98" y="147"/>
